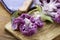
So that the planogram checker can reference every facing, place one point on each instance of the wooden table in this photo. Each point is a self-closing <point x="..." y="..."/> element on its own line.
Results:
<point x="4" y="19"/>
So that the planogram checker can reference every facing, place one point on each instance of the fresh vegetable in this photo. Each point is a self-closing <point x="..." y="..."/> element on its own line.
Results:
<point x="25" y="24"/>
<point x="28" y="23"/>
<point x="39" y="12"/>
<point x="56" y="16"/>
<point x="37" y="21"/>
<point x="50" y="6"/>
<point x="28" y="28"/>
<point x="16" y="22"/>
<point x="58" y="1"/>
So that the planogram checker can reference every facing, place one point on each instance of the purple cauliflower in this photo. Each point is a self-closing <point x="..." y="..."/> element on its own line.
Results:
<point x="24" y="15"/>
<point x="28" y="29"/>
<point x="37" y="21"/>
<point x="25" y="24"/>
<point x="56" y="16"/>
<point x="58" y="1"/>
<point x="49" y="5"/>
<point x="16" y="22"/>
<point x="52" y="8"/>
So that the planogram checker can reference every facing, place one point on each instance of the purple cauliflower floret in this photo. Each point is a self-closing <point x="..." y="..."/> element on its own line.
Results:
<point x="37" y="21"/>
<point x="24" y="15"/>
<point x="49" y="5"/>
<point x="16" y="22"/>
<point x="56" y="17"/>
<point x="28" y="29"/>
<point x="52" y="8"/>
<point x="58" y="1"/>
<point x="25" y="24"/>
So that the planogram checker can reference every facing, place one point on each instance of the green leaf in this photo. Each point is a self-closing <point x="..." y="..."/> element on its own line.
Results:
<point x="39" y="8"/>
<point x="15" y="14"/>
<point x="32" y="11"/>
<point x="45" y="17"/>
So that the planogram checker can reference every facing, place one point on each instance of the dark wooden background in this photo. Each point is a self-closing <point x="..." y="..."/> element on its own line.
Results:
<point x="4" y="19"/>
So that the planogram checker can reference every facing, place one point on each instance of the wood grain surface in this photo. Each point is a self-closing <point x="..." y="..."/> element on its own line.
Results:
<point x="48" y="32"/>
<point x="4" y="19"/>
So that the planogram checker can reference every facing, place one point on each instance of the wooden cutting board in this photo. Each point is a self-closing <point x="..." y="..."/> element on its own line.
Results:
<point x="48" y="32"/>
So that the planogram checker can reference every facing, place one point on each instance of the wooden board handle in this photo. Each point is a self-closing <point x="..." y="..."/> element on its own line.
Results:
<point x="25" y="6"/>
